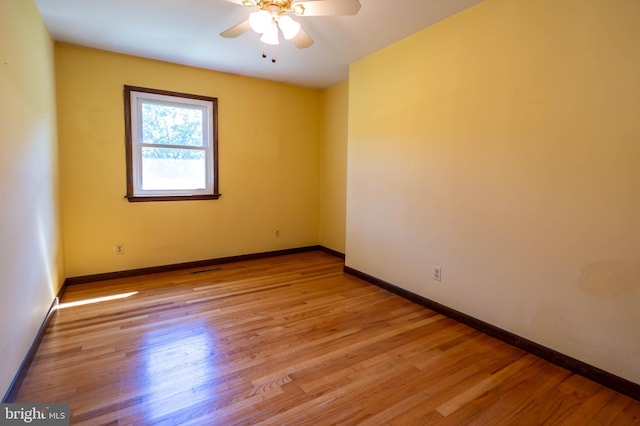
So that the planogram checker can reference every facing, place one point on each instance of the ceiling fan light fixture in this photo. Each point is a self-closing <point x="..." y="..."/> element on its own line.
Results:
<point x="289" y="27"/>
<point x="270" y="36"/>
<point x="260" y="21"/>
<point x="274" y="16"/>
<point x="298" y="9"/>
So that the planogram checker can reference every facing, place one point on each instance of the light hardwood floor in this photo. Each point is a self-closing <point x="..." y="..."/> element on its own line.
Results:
<point x="292" y="340"/>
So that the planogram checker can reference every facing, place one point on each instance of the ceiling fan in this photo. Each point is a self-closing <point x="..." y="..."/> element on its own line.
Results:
<point x="272" y="17"/>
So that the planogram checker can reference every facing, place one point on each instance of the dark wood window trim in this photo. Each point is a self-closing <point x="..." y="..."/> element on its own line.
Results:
<point x="129" y="149"/>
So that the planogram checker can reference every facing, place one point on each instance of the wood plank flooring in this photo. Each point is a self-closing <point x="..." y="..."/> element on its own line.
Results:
<point x="291" y="340"/>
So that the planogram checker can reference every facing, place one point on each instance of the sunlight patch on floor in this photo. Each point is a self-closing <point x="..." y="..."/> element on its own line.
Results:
<point x="95" y="300"/>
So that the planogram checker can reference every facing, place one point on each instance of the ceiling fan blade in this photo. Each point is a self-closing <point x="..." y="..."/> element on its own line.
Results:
<point x="329" y="7"/>
<point x="237" y="30"/>
<point x="302" y="40"/>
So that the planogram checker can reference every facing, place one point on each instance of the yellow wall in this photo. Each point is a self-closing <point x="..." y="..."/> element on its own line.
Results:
<point x="333" y="167"/>
<point x="268" y="147"/>
<point x="30" y="247"/>
<point x="503" y="145"/>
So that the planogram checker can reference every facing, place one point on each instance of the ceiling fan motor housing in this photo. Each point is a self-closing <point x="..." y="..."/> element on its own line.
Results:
<point x="278" y="7"/>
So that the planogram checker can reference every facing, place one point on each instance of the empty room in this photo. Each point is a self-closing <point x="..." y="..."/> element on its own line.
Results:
<point x="320" y="212"/>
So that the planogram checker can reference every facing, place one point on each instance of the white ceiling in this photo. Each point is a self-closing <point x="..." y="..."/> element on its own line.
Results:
<point x="187" y="32"/>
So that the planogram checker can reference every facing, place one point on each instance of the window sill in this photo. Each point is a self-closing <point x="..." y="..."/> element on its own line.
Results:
<point x="141" y="199"/>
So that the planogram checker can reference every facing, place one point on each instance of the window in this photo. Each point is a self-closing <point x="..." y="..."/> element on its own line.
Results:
<point x="171" y="145"/>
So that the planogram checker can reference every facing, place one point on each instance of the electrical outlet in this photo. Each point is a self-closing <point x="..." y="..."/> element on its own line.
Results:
<point x="118" y="249"/>
<point x="437" y="273"/>
<point x="277" y="233"/>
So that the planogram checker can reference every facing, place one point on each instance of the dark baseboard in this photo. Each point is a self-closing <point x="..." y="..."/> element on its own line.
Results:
<point x="332" y="252"/>
<point x="595" y="374"/>
<point x="187" y="265"/>
<point x="14" y="387"/>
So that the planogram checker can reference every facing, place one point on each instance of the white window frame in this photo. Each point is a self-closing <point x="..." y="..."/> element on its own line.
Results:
<point x="135" y="97"/>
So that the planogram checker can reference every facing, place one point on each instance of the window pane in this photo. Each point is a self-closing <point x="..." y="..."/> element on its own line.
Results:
<point x="173" y="169"/>
<point x="171" y="125"/>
